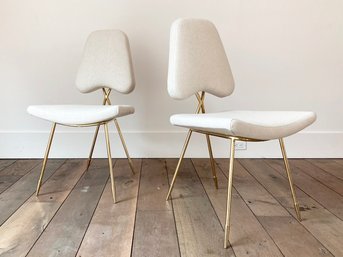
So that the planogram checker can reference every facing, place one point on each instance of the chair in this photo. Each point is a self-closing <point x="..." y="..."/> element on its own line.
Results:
<point x="198" y="65"/>
<point x="106" y="65"/>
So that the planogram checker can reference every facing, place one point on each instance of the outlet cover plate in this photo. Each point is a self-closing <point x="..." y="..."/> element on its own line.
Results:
<point x="241" y="145"/>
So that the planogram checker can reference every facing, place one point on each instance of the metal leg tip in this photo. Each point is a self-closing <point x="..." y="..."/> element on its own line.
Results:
<point x="226" y="244"/>
<point x="114" y="198"/>
<point x="132" y="169"/>
<point x="297" y="211"/>
<point x="38" y="188"/>
<point x="168" y="195"/>
<point x="215" y="182"/>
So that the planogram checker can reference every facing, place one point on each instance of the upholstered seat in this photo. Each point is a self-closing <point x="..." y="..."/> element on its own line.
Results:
<point x="261" y="125"/>
<point x="79" y="114"/>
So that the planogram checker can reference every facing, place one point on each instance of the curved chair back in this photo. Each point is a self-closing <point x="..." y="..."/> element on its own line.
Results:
<point x="197" y="60"/>
<point x="106" y="63"/>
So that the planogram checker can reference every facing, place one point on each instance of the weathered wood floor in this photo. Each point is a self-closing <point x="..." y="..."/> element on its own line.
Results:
<point x="74" y="215"/>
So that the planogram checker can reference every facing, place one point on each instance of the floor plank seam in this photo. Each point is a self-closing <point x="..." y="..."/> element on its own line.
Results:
<point x="209" y="199"/>
<point x="313" y="163"/>
<point x="5" y="167"/>
<point x="28" y="171"/>
<point x="321" y="182"/>
<point x="172" y="205"/>
<point x="270" y="236"/>
<point x="299" y="203"/>
<point x="32" y="193"/>
<point x="83" y="174"/>
<point x="264" y="223"/>
<point x="298" y="188"/>
<point x="221" y="225"/>
<point x="291" y="213"/>
<point x="90" y="220"/>
<point x="241" y="197"/>
<point x="134" y="224"/>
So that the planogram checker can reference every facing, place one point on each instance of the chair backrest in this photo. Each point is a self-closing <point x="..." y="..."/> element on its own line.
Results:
<point x="106" y="63"/>
<point x="197" y="60"/>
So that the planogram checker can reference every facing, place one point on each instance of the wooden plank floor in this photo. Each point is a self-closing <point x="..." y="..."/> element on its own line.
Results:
<point x="75" y="216"/>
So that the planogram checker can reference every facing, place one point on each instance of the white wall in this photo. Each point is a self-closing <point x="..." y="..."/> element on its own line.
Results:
<point x="285" y="55"/>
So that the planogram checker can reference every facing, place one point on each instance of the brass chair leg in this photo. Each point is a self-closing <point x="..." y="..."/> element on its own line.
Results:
<point x="201" y="108"/>
<point x="213" y="166"/>
<point x="52" y="132"/>
<point x="290" y="179"/>
<point x="179" y="163"/>
<point x="229" y="195"/>
<point x="108" y="101"/>
<point x="124" y="146"/>
<point x="96" y="133"/>
<point x="110" y="162"/>
<point x="93" y="145"/>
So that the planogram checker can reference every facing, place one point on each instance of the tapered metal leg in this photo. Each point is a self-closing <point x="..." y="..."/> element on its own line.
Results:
<point x="93" y="145"/>
<point x="290" y="179"/>
<point x="110" y="162"/>
<point x="124" y="146"/>
<point x="201" y="108"/>
<point x="96" y="133"/>
<point x="229" y="195"/>
<point x="179" y="163"/>
<point x="108" y="101"/>
<point x="213" y="166"/>
<point x="52" y="132"/>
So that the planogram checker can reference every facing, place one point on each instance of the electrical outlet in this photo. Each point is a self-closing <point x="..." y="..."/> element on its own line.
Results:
<point x="241" y="145"/>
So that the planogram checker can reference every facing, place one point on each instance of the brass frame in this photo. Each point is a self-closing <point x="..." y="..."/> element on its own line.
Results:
<point x="290" y="178"/>
<point x="107" y="137"/>
<point x="52" y="132"/>
<point x="106" y="101"/>
<point x="233" y="139"/>
<point x="201" y="108"/>
<point x="108" y="147"/>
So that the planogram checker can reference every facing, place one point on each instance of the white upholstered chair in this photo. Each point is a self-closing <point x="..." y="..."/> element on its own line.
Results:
<point x="198" y="64"/>
<point x="106" y="65"/>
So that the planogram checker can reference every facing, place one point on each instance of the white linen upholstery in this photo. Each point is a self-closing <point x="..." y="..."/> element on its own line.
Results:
<point x="106" y="63"/>
<point x="262" y="125"/>
<point x="197" y="60"/>
<point x="79" y="114"/>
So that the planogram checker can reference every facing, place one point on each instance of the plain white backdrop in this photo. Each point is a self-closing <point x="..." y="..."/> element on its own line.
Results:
<point x="285" y="55"/>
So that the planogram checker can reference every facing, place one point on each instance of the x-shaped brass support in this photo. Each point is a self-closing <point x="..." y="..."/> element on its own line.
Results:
<point x="107" y="101"/>
<point x="200" y="109"/>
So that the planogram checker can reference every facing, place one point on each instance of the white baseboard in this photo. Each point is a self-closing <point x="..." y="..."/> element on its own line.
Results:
<point x="166" y="144"/>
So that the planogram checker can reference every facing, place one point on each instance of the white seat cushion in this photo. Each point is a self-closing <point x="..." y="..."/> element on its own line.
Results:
<point x="261" y="125"/>
<point x="79" y="114"/>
